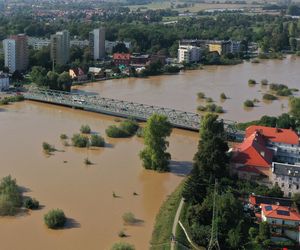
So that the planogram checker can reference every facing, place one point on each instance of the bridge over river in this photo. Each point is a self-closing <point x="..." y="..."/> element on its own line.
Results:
<point x="119" y="108"/>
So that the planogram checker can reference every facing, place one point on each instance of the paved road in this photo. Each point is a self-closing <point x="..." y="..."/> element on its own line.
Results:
<point x="175" y="223"/>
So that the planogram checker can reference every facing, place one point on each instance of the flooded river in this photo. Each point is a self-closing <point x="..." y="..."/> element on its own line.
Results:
<point x="84" y="193"/>
<point x="180" y="91"/>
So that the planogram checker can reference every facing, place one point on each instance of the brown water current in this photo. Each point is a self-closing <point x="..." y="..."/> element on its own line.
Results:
<point x="84" y="193"/>
<point x="180" y="91"/>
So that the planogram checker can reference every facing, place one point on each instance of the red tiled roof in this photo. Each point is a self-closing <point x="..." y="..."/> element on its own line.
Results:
<point x="121" y="56"/>
<point x="253" y="152"/>
<point x="287" y="136"/>
<point x="280" y="212"/>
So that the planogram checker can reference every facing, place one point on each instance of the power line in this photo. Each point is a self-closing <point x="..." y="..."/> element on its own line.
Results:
<point x="214" y="243"/>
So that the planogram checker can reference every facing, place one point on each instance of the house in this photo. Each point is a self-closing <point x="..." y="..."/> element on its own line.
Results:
<point x="122" y="59"/>
<point x="283" y="220"/>
<point x="252" y="159"/>
<point x="257" y="200"/>
<point x="276" y="136"/>
<point x="77" y="74"/>
<point x="139" y="60"/>
<point x="222" y="47"/>
<point x="189" y="54"/>
<point x="96" y="72"/>
<point x="287" y="177"/>
<point x="283" y="142"/>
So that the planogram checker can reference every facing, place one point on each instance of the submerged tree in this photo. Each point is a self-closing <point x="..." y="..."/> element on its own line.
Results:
<point x="154" y="155"/>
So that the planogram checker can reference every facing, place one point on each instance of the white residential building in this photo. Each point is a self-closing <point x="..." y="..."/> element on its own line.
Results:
<point x="16" y="52"/>
<point x="80" y="43"/>
<point x="60" y="47"/>
<point x="189" y="54"/>
<point x="38" y="43"/>
<point x="9" y="47"/>
<point x="283" y="220"/>
<point x="97" y="43"/>
<point x="287" y="177"/>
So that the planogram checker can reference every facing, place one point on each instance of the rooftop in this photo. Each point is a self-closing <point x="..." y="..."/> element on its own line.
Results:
<point x="259" y="199"/>
<point x="286" y="169"/>
<point x="121" y="56"/>
<point x="253" y="152"/>
<point x="287" y="136"/>
<point x="280" y="212"/>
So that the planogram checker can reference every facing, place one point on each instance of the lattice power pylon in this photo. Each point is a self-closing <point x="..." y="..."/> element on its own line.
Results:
<point x="213" y="242"/>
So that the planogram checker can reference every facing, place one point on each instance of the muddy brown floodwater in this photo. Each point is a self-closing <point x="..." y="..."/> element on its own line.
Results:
<point x="84" y="193"/>
<point x="180" y="91"/>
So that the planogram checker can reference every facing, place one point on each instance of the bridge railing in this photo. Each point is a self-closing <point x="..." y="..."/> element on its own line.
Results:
<point x="177" y="118"/>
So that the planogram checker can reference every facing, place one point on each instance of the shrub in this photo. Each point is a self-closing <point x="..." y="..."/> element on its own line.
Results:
<point x="4" y="101"/>
<point x="201" y="95"/>
<point x="87" y="161"/>
<point x="80" y="141"/>
<point x="129" y="126"/>
<point x="269" y="97"/>
<point x="209" y="100"/>
<point x="85" y="129"/>
<point x="122" y="246"/>
<point x="284" y="92"/>
<point x="223" y="96"/>
<point x="48" y="148"/>
<point x="55" y="218"/>
<point x="251" y="82"/>
<point x="201" y="108"/>
<point x="126" y="128"/>
<point x="129" y="218"/>
<point x="276" y="86"/>
<point x="31" y="203"/>
<point x="256" y="100"/>
<point x="140" y="132"/>
<point x="10" y="196"/>
<point x="122" y="234"/>
<point x="249" y="104"/>
<point x="264" y="82"/>
<point x="97" y="141"/>
<point x="63" y="137"/>
<point x="219" y="110"/>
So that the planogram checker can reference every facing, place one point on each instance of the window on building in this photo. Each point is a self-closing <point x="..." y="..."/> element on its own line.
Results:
<point x="290" y="195"/>
<point x="282" y="184"/>
<point x="290" y="186"/>
<point x="297" y="186"/>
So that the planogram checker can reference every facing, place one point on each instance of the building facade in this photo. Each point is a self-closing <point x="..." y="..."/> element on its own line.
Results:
<point x="16" y="53"/>
<point x="97" y="43"/>
<point x="38" y="43"/>
<point x="60" y="47"/>
<point x="4" y="81"/>
<point x="283" y="221"/>
<point x="287" y="177"/>
<point x="222" y="47"/>
<point x="189" y="54"/>
<point x="109" y="45"/>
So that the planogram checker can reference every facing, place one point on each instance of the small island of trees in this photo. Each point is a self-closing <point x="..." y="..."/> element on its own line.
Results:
<point x="55" y="219"/>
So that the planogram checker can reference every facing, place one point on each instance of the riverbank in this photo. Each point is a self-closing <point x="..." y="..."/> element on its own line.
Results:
<point x="180" y="91"/>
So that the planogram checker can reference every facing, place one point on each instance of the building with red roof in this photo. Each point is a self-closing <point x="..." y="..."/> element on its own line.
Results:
<point x="252" y="159"/>
<point x="123" y="59"/>
<point x="275" y="135"/>
<point x="283" y="220"/>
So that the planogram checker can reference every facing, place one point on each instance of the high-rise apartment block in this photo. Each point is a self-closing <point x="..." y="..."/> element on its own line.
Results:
<point x="16" y="53"/>
<point x="60" y="47"/>
<point x="97" y="43"/>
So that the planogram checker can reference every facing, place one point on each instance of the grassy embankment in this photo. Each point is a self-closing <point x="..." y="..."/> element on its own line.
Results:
<point x="162" y="231"/>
